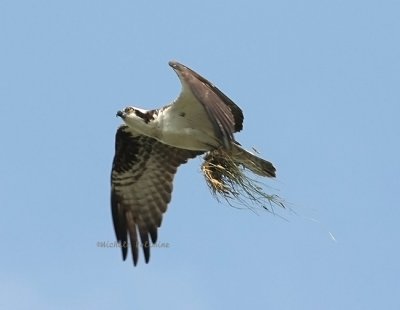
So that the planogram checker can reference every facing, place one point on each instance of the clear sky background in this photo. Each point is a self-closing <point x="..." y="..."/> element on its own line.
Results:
<point x="319" y="83"/>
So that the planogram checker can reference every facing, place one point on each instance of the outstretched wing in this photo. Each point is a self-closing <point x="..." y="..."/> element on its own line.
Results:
<point x="141" y="185"/>
<point x="225" y="116"/>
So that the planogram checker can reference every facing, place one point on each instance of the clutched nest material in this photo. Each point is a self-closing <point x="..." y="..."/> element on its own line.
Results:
<point x="228" y="179"/>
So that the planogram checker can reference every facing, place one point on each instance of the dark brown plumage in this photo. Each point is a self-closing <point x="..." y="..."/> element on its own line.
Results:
<point x="141" y="185"/>
<point x="153" y="144"/>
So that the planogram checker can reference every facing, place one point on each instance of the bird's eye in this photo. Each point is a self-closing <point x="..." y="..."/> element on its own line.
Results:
<point x="129" y="110"/>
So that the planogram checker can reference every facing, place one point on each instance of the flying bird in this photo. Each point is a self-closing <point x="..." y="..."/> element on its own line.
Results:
<point x="152" y="144"/>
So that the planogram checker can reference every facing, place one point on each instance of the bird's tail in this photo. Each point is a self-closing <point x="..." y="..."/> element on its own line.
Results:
<point x="252" y="162"/>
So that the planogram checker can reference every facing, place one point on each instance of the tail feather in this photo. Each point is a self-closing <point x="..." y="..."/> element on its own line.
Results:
<point x="252" y="162"/>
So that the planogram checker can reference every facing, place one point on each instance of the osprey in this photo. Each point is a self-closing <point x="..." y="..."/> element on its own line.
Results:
<point x="152" y="144"/>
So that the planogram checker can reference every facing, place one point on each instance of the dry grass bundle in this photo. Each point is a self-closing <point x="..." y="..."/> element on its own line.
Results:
<point x="227" y="179"/>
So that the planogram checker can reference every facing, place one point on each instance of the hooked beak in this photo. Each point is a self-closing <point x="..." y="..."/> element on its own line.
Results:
<point x="121" y="114"/>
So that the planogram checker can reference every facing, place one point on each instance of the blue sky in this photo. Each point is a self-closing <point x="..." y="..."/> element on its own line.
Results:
<point x="319" y="85"/>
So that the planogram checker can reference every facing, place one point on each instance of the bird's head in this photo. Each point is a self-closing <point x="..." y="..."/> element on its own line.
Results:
<point x="136" y="118"/>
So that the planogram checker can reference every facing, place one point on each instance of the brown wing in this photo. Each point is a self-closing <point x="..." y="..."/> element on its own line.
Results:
<point x="225" y="115"/>
<point x="141" y="185"/>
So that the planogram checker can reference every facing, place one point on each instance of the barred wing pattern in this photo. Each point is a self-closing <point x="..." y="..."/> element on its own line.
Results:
<point x="141" y="185"/>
